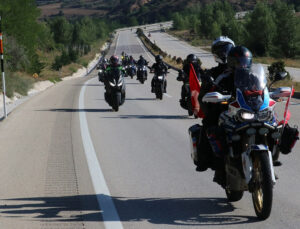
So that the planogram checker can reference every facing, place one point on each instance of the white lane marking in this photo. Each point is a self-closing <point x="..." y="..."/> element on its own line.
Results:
<point x="110" y="215"/>
<point x="170" y="96"/>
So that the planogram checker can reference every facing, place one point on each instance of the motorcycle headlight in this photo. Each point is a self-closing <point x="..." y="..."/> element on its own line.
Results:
<point x="112" y="83"/>
<point x="160" y="77"/>
<point x="245" y="115"/>
<point x="120" y="82"/>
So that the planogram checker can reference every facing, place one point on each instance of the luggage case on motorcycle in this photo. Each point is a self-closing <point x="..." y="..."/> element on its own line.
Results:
<point x="288" y="139"/>
<point x="195" y="133"/>
<point x="216" y="136"/>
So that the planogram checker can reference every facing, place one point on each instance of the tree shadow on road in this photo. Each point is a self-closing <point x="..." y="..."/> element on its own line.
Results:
<point x="162" y="211"/>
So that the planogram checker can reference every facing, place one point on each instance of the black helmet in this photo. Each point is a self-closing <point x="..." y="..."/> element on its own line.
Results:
<point x="220" y="49"/>
<point x="141" y="57"/>
<point x="239" y="57"/>
<point x="191" y="58"/>
<point x="114" y="60"/>
<point x="158" y="58"/>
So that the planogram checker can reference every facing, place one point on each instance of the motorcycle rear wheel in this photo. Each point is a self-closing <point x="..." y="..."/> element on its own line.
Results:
<point x="262" y="195"/>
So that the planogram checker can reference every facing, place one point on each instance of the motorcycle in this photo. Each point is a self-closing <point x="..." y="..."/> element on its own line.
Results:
<point x="101" y="68"/>
<point x="247" y="138"/>
<point x="131" y="70"/>
<point x="142" y="73"/>
<point x="115" y="89"/>
<point x="186" y="102"/>
<point x="160" y="86"/>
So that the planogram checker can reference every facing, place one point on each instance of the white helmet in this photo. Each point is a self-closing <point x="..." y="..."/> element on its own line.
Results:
<point x="221" y="47"/>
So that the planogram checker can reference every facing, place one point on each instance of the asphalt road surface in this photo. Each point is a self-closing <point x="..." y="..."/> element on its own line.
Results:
<point x="176" y="47"/>
<point x="68" y="161"/>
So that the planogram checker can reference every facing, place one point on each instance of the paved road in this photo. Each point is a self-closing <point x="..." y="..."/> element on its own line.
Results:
<point x="179" y="48"/>
<point x="53" y="144"/>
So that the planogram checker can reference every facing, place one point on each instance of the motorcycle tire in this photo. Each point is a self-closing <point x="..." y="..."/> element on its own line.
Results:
<point x="159" y="92"/>
<point x="189" y="106"/>
<point x="233" y="196"/>
<point x="262" y="195"/>
<point x="116" y="101"/>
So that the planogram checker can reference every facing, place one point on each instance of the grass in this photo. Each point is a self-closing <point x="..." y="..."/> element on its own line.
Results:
<point x="48" y="58"/>
<point x="21" y="83"/>
<point x="17" y="83"/>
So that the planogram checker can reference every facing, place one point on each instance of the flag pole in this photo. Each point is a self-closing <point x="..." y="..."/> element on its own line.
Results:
<point x="2" y="69"/>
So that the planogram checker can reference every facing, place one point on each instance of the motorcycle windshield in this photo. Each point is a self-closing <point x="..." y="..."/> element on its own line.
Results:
<point x="251" y="85"/>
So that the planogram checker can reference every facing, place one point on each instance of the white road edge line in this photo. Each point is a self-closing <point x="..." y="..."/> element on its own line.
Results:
<point x="151" y="58"/>
<point x="110" y="215"/>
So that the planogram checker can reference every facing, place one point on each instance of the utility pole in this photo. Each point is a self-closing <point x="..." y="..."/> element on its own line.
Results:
<point x="2" y="69"/>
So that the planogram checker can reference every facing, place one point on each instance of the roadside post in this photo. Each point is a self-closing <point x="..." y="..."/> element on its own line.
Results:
<point x="2" y="69"/>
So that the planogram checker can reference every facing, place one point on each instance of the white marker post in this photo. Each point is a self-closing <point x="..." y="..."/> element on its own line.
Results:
<point x="3" y="74"/>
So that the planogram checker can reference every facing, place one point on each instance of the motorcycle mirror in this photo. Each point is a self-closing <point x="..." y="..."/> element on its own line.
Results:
<point x="280" y="76"/>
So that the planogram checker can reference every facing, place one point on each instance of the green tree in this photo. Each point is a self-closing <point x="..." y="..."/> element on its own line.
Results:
<point x="285" y="40"/>
<point x="261" y="29"/>
<point x="61" y="30"/>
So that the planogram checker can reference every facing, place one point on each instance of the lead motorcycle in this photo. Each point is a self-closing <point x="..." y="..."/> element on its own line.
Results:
<point x="115" y="89"/>
<point x="248" y="137"/>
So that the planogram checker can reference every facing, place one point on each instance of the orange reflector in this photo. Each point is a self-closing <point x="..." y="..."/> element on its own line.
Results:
<point x="224" y="102"/>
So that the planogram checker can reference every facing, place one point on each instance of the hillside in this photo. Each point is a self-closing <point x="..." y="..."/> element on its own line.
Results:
<point x="143" y="11"/>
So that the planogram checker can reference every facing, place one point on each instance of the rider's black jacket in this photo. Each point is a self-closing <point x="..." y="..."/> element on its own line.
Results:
<point x="142" y="62"/>
<point x="186" y="72"/>
<point x="224" y="80"/>
<point x="159" y="68"/>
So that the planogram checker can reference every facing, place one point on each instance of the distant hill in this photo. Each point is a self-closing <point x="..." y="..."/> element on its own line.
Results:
<point x="143" y="11"/>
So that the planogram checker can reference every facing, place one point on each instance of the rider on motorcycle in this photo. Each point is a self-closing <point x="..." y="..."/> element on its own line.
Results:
<point x="114" y="63"/>
<point x="159" y="68"/>
<point x="142" y="61"/>
<point x="125" y="60"/>
<point x="221" y="73"/>
<point x="239" y="57"/>
<point x="185" y="74"/>
<point x="131" y="61"/>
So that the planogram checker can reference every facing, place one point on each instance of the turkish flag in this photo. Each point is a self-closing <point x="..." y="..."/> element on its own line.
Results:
<point x="287" y="113"/>
<point x="195" y="91"/>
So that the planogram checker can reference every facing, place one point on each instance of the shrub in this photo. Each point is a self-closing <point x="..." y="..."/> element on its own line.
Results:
<point x="275" y="67"/>
<point x="179" y="60"/>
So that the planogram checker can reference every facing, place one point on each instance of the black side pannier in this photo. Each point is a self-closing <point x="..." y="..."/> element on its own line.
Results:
<point x="288" y="139"/>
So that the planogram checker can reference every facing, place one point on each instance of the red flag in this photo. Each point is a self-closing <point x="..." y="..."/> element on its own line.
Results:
<point x="195" y="91"/>
<point x="287" y="113"/>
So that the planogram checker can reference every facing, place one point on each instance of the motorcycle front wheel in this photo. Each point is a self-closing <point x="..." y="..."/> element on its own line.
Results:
<point x="159" y="92"/>
<point x="233" y="196"/>
<point x="262" y="195"/>
<point x="116" y="101"/>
